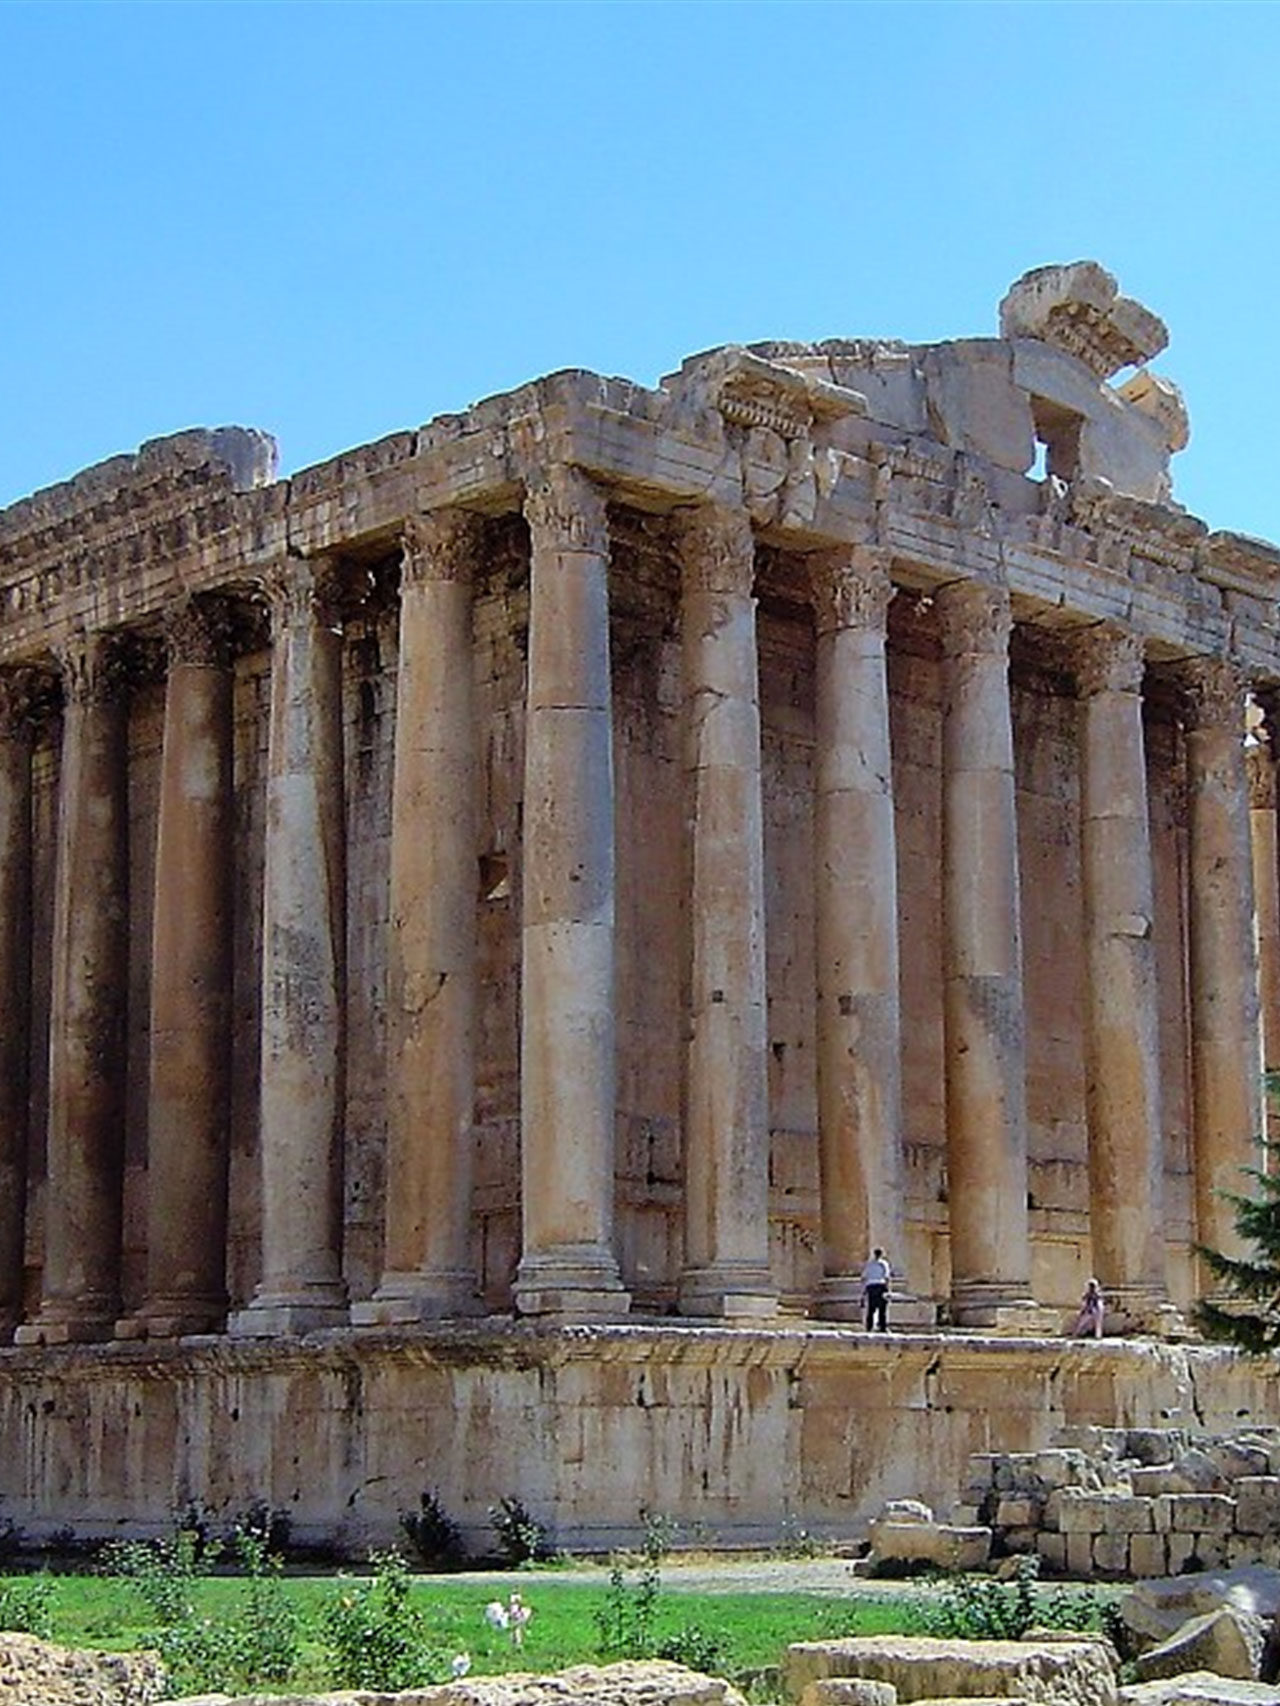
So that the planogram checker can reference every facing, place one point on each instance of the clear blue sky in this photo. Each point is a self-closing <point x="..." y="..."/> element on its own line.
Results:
<point x="335" y="221"/>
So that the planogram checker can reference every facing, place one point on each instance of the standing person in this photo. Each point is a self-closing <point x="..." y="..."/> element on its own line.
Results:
<point x="875" y="1289"/>
<point x="1093" y="1308"/>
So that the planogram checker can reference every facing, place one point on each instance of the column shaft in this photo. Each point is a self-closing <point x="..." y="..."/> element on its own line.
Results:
<point x="856" y="928"/>
<point x="15" y="985"/>
<point x="1225" y="1049"/>
<point x="190" y="1084"/>
<point x="89" y="1000"/>
<point x="726" y="1138"/>
<point x="303" y="941"/>
<point x="984" y="1017"/>
<point x="430" y="1267"/>
<point x="1266" y="887"/>
<point x="568" y="1069"/>
<point x="1122" y="1054"/>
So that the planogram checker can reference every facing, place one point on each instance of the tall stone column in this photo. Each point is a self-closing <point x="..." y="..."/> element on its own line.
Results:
<point x="1122" y="1052"/>
<point x="431" y="944"/>
<point x="726" y="1114"/>
<point x="80" y="1296"/>
<point x="856" y="927"/>
<point x="1226" y="1063"/>
<point x="567" y="1068"/>
<point x="190" y="1088"/>
<point x="303" y="973"/>
<point x="16" y="696"/>
<point x="984" y="1016"/>
<point x="1261" y="761"/>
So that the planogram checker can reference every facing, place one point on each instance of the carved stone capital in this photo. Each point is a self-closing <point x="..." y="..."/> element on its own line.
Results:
<point x="974" y="618"/>
<point x="303" y="590"/>
<point x="1105" y="660"/>
<point x="1267" y="700"/>
<point x="439" y="546"/>
<point x="566" y="511"/>
<point x="24" y="697"/>
<point x="1211" y="694"/>
<point x="717" y="549"/>
<point x="94" y="669"/>
<point x="1261" y="771"/>
<point x="851" y="588"/>
<point x="198" y="631"/>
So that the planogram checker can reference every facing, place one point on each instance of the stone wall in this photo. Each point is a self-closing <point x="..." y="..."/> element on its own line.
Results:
<point x="731" y="1433"/>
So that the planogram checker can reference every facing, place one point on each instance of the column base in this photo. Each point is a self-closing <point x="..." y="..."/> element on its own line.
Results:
<point x="1003" y="1308"/>
<point x="173" y="1318"/>
<point x="403" y="1299"/>
<point x="840" y="1298"/>
<point x="728" y="1292"/>
<point x="576" y="1282"/>
<point x="274" y="1314"/>
<point x="66" y="1330"/>
<point x="1141" y="1309"/>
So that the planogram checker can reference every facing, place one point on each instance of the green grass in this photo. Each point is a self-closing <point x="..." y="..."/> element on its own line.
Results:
<point x="753" y="1629"/>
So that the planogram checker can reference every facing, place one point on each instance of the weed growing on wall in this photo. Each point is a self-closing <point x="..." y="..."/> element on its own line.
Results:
<point x="432" y="1533"/>
<point x="522" y="1539"/>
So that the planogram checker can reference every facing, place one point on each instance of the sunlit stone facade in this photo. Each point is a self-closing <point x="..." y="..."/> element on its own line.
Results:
<point x="619" y="853"/>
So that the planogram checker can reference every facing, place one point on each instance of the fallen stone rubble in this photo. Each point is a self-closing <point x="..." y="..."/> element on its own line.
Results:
<point x="37" y="1673"/>
<point x="1110" y="1503"/>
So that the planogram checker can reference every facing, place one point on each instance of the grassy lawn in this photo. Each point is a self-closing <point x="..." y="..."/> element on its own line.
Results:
<point x="736" y="1633"/>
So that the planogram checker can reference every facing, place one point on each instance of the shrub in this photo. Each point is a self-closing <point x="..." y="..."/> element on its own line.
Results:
<point x="162" y="1571"/>
<point x="695" y="1648"/>
<point x="27" y="1606"/>
<point x="376" y="1638"/>
<point x="432" y="1533"/>
<point x="522" y="1539"/>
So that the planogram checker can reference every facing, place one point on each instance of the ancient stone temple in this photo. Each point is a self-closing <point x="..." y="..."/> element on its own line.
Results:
<point x="493" y="928"/>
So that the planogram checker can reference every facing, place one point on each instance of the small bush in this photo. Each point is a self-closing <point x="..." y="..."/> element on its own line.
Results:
<point x="522" y="1539"/>
<point x="268" y="1631"/>
<point x="273" y="1526"/>
<point x="695" y="1648"/>
<point x="432" y="1533"/>
<point x="26" y="1607"/>
<point x="377" y="1640"/>
<point x="162" y="1571"/>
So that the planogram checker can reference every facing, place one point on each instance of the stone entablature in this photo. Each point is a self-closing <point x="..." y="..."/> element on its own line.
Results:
<point x="640" y="847"/>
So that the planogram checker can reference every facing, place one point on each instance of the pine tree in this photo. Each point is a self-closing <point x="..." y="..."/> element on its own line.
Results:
<point x="1253" y="1321"/>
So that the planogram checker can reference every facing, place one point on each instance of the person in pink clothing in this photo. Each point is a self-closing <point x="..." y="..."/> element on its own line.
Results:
<point x="1093" y="1307"/>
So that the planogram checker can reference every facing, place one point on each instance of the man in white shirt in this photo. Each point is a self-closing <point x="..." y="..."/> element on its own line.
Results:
<point x="875" y="1289"/>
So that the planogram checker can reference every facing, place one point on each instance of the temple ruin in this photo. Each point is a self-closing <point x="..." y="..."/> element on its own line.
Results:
<point x="495" y="926"/>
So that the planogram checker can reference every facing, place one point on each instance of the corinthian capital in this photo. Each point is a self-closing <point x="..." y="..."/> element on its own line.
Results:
<point x="1212" y="694"/>
<point x="93" y="670"/>
<point x="717" y="549"/>
<point x="439" y="546"/>
<point x="975" y="619"/>
<point x="302" y="590"/>
<point x="566" y="511"/>
<point x="198" y="631"/>
<point x="851" y="588"/>
<point x="24" y="695"/>
<point x="1105" y="660"/>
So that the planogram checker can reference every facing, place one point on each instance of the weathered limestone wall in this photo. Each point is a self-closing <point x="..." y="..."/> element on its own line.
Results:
<point x="589" y="1426"/>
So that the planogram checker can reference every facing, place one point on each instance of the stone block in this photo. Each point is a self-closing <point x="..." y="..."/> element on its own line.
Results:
<point x="1019" y="1541"/>
<point x="1079" y="1554"/>
<point x="1149" y="1483"/>
<point x="1111" y="1555"/>
<point x="1181" y="1551"/>
<point x="1052" y="1550"/>
<point x="1258" y="1504"/>
<point x="939" y="1544"/>
<point x="1148" y="1555"/>
<point x="1080" y="1512"/>
<point x="849" y="1691"/>
<point x="1059" y="1468"/>
<point x="1055" y="1673"/>
<point x="1197" y="1688"/>
<point x="1211" y="1551"/>
<point x="1237" y="1458"/>
<point x="1017" y="1511"/>
<point x="1195" y="1513"/>
<point x="1227" y="1642"/>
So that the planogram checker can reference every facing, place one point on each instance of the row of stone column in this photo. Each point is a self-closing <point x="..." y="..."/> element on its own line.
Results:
<point x="568" y="1264"/>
